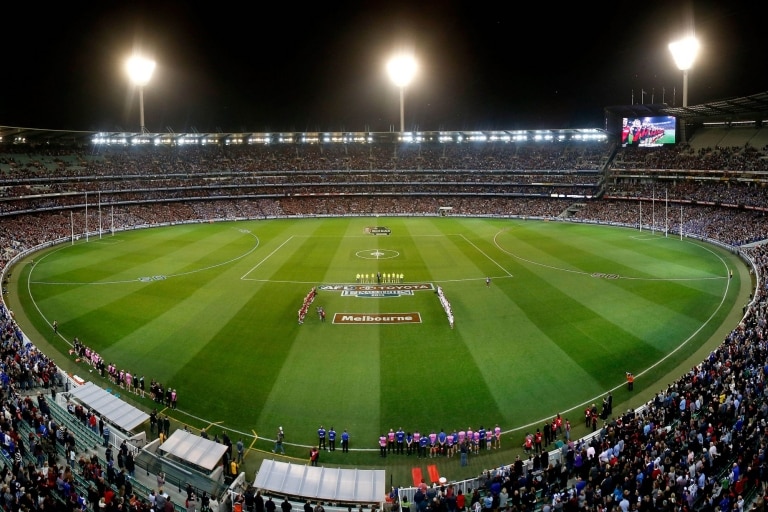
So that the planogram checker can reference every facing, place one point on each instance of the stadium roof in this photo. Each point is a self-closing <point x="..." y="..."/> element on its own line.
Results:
<point x="17" y="135"/>
<point x="36" y="136"/>
<point x="748" y="108"/>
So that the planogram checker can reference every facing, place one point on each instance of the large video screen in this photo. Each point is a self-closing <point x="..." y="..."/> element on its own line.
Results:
<point x="648" y="132"/>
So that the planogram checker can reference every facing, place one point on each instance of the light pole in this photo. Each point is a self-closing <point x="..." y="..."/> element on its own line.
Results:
<point x="402" y="69"/>
<point x="140" y="71"/>
<point x="684" y="52"/>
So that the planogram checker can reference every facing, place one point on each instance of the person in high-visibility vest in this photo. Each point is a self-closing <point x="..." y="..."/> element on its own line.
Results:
<point x="630" y="381"/>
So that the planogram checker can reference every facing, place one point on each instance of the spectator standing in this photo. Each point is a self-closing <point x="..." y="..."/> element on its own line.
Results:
<point x="321" y="437"/>
<point x="314" y="456"/>
<point x="345" y="441"/>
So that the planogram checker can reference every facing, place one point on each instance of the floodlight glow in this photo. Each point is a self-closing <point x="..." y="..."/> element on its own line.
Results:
<point x="402" y="69"/>
<point x="684" y="52"/>
<point x="140" y="70"/>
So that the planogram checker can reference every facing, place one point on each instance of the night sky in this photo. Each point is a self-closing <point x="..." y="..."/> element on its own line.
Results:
<point x="284" y="66"/>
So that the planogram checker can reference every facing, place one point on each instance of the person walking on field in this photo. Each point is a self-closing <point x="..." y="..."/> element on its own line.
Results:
<point x="279" y="441"/>
<point x="630" y="381"/>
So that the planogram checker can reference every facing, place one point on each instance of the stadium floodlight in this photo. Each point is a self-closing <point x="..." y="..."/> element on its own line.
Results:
<point x="402" y="69"/>
<point x="684" y="52"/>
<point x="140" y="71"/>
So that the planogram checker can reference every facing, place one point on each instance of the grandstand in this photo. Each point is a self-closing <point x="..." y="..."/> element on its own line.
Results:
<point x="720" y="177"/>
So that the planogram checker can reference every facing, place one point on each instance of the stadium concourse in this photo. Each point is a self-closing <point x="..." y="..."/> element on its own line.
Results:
<point x="698" y="444"/>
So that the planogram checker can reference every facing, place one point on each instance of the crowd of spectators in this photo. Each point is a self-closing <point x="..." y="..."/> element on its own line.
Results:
<point x="40" y="456"/>
<point x="21" y="162"/>
<point x="731" y="226"/>
<point x="738" y="160"/>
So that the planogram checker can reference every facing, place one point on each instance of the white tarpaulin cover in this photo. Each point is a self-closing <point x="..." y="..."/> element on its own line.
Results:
<point x="324" y="484"/>
<point x="194" y="449"/>
<point x="123" y="415"/>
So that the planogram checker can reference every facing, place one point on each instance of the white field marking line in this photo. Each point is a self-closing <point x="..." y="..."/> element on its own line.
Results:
<point x="509" y="274"/>
<point x="34" y="302"/>
<point x="245" y="276"/>
<point x="66" y="283"/>
<point x="377" y="237"/>
<point x="258" y="242"/>
<point x="582" y="272"/>
<point x="470" y="279"/>
<point x="657" y="363"/>
<point x="250" y="434"/>
<point x="165" y="275"/>
<point x="274" y="281"/>
<point x="108" y="241"/>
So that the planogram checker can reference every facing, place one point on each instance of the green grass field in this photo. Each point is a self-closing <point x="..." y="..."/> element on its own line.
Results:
<point x="211" y="310"/>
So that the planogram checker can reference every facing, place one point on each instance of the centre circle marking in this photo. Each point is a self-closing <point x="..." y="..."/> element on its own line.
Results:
<point x="377" y="254"/>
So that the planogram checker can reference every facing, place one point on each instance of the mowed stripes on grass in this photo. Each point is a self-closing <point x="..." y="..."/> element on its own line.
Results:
<point x="211" y="310"/>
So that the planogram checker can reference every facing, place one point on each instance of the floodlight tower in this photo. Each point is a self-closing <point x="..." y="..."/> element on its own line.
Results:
<point x="402" y="69"/>
<point x="140" y="72"/>
<point x="684" y="52"/>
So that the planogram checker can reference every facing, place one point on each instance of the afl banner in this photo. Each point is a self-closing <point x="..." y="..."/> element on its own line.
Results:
<point x="376" y="290"/>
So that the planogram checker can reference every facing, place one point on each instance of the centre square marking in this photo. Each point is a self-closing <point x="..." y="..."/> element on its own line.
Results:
<point x="376" y="318"/>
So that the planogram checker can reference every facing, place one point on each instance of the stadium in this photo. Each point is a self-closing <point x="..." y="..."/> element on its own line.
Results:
<point x="463" y="215"/>
<point x="484" y="314"/>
